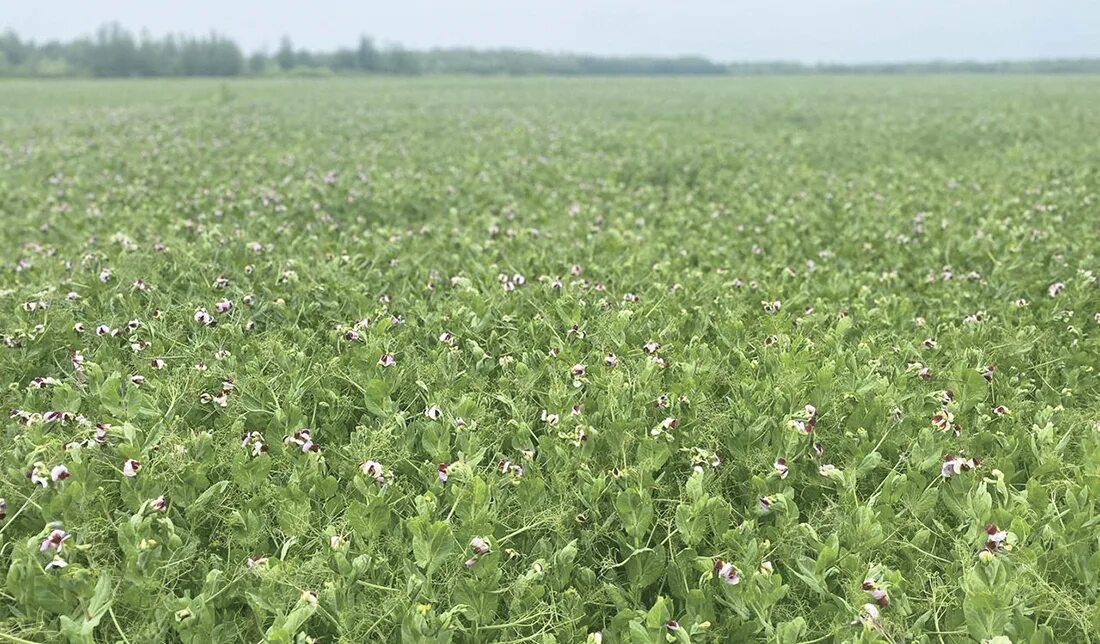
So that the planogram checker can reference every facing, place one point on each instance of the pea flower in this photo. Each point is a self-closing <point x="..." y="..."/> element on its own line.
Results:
<point x="651" y="347"/>
<point x="994" y="538"/>
<point x="223" y="306"/>
<point x="219" y="397"/>
<point x="56" y="416"/>
<point x="158" y="504"/>
<point x="39" y="474"/>
<point x="442" y="473"/>
<point x="433" y="412"/>
<point x="131" y="468"/>
<point x="373" y="469"/>
<point x="39" y="382"/>
<point x="577" y="371"/>
<point x="515" y="470"/>
<point x="479" y="545"/>
<point x="204" y="318"/>
<point x="304" y="440"/>
<point x="953" y="465"/>
<point x="59" y="473"/>
<point x="868" y="614"/>
<point x="726" y="573"/>
<point x="877" y="592"/>
<point x="387" y="360"/>
<point x="780" y="466"/>
<point x="54" y="541"/>
<point x="805" y="421"/>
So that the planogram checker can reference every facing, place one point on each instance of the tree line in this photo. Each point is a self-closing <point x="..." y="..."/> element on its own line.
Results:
<point x="114" y="52"/>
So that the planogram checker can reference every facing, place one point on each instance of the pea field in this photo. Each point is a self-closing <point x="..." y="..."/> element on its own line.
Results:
<point x="744" y="359"/>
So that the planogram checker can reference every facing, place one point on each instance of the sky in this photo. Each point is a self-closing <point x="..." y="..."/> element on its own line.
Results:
<point x="810" y="31"/>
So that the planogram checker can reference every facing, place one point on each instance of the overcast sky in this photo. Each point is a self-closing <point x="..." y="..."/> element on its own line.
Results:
<point x="725" y="30"/>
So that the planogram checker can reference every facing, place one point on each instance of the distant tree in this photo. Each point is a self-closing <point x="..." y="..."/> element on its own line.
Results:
<point x="398" y="60"/>
<point x="114" y="52"/>
<point x="366" y="55"/>
<point x="285" y="56"/>
<point x="257" y="63"/>
<point x="304" y="58"/>
<point x="15" y="51"/>
<point x="343" y="60"/>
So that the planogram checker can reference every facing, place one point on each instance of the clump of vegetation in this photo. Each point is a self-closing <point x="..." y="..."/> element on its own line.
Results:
<point x="479" y="360"/>
<point x="114" y="52"/>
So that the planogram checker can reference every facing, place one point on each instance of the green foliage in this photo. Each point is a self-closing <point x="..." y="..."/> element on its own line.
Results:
<point x="742" y="248"/>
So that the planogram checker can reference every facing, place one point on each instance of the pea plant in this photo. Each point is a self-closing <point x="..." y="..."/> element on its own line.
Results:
<point x="550" y="360"/>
